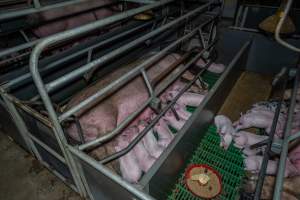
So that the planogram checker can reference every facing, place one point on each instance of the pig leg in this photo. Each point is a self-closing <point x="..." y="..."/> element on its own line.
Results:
<point x="244" y="139"/>
<point x="164" y="134"/>
<point x="129" y="166"/>
<point x="150" y="143"/>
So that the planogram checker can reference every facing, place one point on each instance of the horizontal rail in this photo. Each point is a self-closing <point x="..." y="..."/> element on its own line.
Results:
<point x="50" y="150"/>
<point x="154" y="121"/>
<point x="84" y="29"/>
<point x="121" y="81"/>
<point x="286" y="140"/>
<point x="36" y="9"/>
<point x="27" y="76"/>
<point x="95" y="63"/>
<point x="114" y="177"/>
<point x="131" y="74"/>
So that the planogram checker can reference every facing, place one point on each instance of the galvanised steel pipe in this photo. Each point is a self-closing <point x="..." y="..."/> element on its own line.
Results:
<point x="82" y="70"/>
<point x="57" y="128"/>
<point x="128" y="76"/>
<point x="37" y="8"/>
<point x="285" y="145"/>
<point x="114" y="177"/>
<point x="25" y="78"/>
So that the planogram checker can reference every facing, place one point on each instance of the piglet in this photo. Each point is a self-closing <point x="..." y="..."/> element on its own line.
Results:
<point x="215" y="68"/>
<point x="164" y="133"/>
<point x="129" y="166"/>
<point x="245" y="139"/>
<point x="172" y="121"/>
<point x="253" y="164"/>
<point x="145" y="160"/>
<point x="182" y="112"/>
<point x="225" y="129"/>
<point x="150" y="142"/>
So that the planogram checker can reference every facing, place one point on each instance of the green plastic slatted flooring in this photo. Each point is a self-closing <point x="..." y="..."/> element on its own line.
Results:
<point x="228" y="163"/>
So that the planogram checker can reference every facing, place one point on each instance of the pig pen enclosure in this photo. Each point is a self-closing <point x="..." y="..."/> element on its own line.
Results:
<point x="36" y="95"/>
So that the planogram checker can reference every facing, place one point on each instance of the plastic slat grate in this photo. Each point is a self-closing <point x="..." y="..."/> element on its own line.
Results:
<point x="228" y="163"/>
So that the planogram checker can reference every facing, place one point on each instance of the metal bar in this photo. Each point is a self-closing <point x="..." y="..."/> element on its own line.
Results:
<point x="293" y="137"/>
<point x="36" y="4"/>
<point x="78" y="72"/>
<point x="61" y="177"/>
<point x="79" y="129"/>
<point x="141" y="1"/>
<point x="144" y="65"/>
<point x="27" y="76"/>
<point x="6" y="52"/>
<point x="19" y="13"/>
<point x="148" y="84"/>
<point x="153" y="122"/>
<point x="21" y="126"/>
<point x="279" y="26"/>
<point x="58" y="131"/>
<point x="266" y="157"/>
<point x="24" y="36"/>
<point x="114" y="177"/>
<point x="128" y="76"/>
<point x="50" y="150"/>
<point x="160" y="89"/>
<point x="284" y="149"/>
<point x="115" y="132"/>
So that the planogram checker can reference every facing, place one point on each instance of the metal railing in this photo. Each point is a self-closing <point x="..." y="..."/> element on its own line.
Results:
<point x="45" y="89"/>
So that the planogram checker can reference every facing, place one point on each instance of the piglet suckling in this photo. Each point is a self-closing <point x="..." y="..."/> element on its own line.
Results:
<point x="215" y="68"/>
<point x="129" y="166"/>
<point x="172" y="121"/>
<point x="150" y="142"/>
<point x="182" y="112"/>
<point x="187" y="98"/>
<point x="164" y="133"/>
<point x="244" y="139"/>
<point x="253" y="164"/>
<point x="259" y="119"/>
<point x="145" y="160"/>
<point x="225" y="129"/>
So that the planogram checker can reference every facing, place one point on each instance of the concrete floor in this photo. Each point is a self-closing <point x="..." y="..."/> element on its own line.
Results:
<point x="22" y="177"/>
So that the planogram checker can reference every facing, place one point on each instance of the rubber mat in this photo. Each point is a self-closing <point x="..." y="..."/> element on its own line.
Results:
<point x="228" y="163"/>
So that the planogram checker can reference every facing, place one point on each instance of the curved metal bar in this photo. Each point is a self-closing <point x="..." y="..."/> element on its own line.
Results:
<point x="269" y="141"/>
<point x="37" y="8"/>
<point x="157" y="118"/>
<point x="113" y="176"/>
<point x="27" y="76"/>
<point x="285" y="145"/>
<point x="57" y="128"/>
<point x="279" y="25"/>
<point x="120" y="82"/>
<point x="95" y="63"/>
